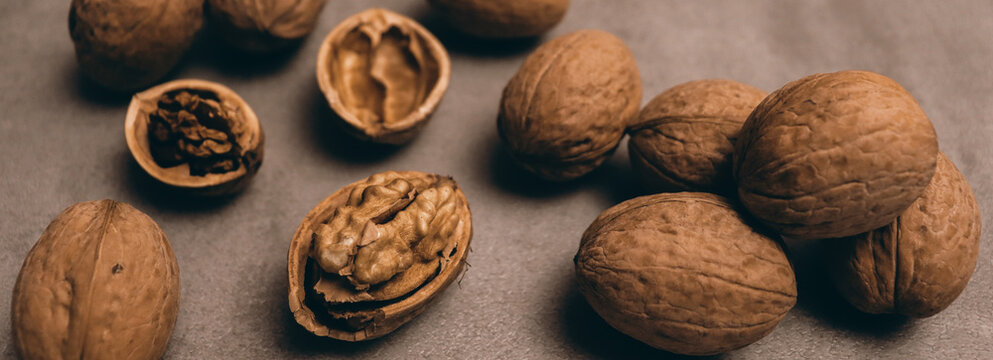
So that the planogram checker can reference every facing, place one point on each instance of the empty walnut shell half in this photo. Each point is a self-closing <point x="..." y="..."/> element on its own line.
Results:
<point x="685" y="273"/>
<point x="834" y="155"/>
<point x="684" y="138"/>
<point x="195" y="135"/>
<point x="383" y="74"/>
<point x="261" y="26"/>
<point x="918" y="264"/>
<point x="370" y="257"/>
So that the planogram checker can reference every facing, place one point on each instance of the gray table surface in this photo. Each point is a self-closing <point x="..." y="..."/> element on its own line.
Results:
<point x="61" y="142"/>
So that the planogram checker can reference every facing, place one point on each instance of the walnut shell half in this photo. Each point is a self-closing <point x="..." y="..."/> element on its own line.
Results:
<point x="566" y="109"/>
<point x="264" y="25"/>
<point x="101" y="283"/>
<point x="130" y="44"/>
<point x="371" y="257"/>
<point x="383" y="74"/>
<point x="834" y="155"/>
<point x="504" y="18"/>
<point x="683" y="140"/>
<point x="684" y="273"/>
<point x="195" y="135"/>
<point x="918" y="264"/>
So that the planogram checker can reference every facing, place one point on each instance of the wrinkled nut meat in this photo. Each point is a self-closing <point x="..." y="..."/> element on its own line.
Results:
<point x="566" y="109"/>
<point x="101" y="283"/>
<point x="261" y="26"/>
<point x="834" y="155"/>
<point x="129" y="44"/>
<point x="918" y="264"/>
<point x="503" y="18"/>
<point x="684" y="273"/>
<point x="683" y="139"/>
<point x="195" y="135"/>
<point x="383" y="74"/>
<point x="370" y="257"/>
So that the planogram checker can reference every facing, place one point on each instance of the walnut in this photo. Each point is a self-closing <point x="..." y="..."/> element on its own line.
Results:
<point x="195" y="135"/>
<point x="684" y="273"/>
<point x="561" y="125"/>
<point x="684" y="138"/>
<point x="101" y="283"/>
<point x="383" y="74"/>
<point x="129" y="44"/>
<point x="919" y="263"/>
<point x="502" y="18"/>
<point x="371" y="256"/>
<point x="834" y="155"/>
<point x="261" y="26"/>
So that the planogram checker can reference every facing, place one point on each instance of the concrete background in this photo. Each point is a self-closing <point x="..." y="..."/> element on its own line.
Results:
<point x="61" y="141"/>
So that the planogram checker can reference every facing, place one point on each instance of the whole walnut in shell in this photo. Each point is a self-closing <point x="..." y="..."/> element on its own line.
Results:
<point x="101" y="283"/>
<point x="371" y="257"/>
<point x="266" y="25"/>
<point x="834" y="155"/>
<point x="130" y="44"/>
<point x="918" y="264"/>
<point x="383" y="74"/>
<point x="683" y="140"/>
<point x="502" y="18"/>
<point x="684" y="273"/>
<point x="566" y="109"/>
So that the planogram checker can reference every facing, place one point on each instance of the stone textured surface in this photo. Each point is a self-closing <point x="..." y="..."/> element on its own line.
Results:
<point x="62" y="141"/>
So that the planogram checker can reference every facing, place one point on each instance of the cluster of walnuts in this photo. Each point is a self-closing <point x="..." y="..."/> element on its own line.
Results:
<point x="699" y="268"/>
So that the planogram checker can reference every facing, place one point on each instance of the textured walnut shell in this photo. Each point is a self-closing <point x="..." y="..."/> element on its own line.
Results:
<point x="503" y="18"/>
<point x="565" y="110"/>
<point x="918" y="264"/>
<point x="684" y="273"/>
<point x="356" y="315"/>
<point x="834" y="155"/>
<point x="130" y="44"/>
<point x="251" y="140"/>
<point x="683" y="140"/>
<point x="383" y="74"/>
<point x="264" y="25"/>
<point x="101" y="283"/>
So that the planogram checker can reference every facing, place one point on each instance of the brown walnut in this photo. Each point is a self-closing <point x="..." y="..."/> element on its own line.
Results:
<point x="130" y="44"/>
<point x="195" y="135"/>
<point x="383" y="74"/>
<point x="684" y="273"/>
<point x="918" y="264"/>
<point x="683" y="140"/>
<point x="261" y="26"/>
<point x="101" y="283"/>
<point x="370" y="257"/>
<point x="502" y="18"/>
<point x="565" y="110"/>
<point x="834" y="155"/>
